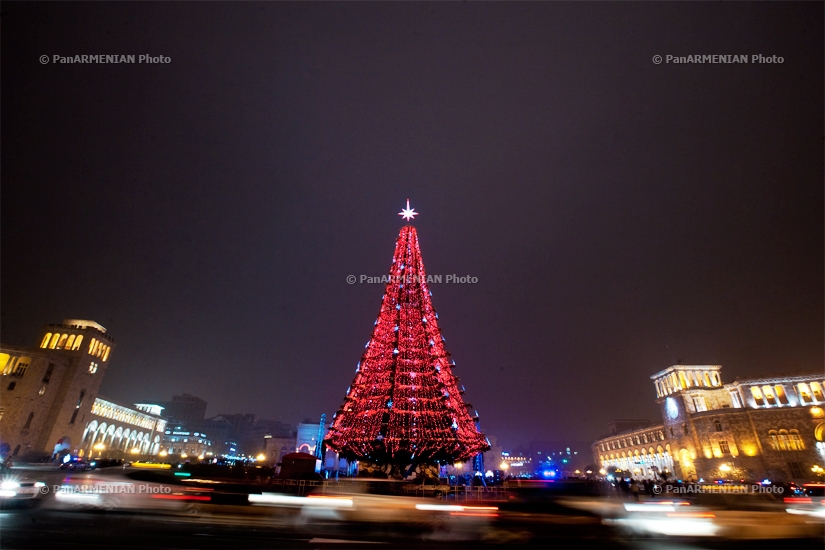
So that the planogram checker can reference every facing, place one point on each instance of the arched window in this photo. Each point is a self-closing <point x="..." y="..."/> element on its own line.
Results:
<point x="106" y="353"/>
<point x="46" y="339"/>
<point x="718" y="425"/>
<point x="795" y="442"/>
<point x="62" y="342"/>
<point x="92" y="345"/>
<point x="70" y="341"/>
<point x="53" y="341"/>
<point x="29" y="421"/>
<point x="77" y="342"/>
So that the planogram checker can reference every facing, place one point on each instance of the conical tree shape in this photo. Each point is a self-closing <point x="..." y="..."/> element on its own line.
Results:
<point x="404" y="405"/>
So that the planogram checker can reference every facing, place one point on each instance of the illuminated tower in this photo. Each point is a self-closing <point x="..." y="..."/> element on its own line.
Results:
<point x="404" y="406"/>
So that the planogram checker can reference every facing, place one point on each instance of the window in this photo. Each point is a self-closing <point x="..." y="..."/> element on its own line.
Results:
<point x="699" y="404"/>
<point x="20" y="368"/>
<point x="77" y="407"/>
<point x="92" y="367"/>
<point x="77" y="342"/>
<point x="69" y="342"/>
<point x="734" y="398"/>
<point x="769" y="397"/>
<point x="795" y="442"/>
<point x="781" y="396"/>
<point x="718" y="425"/>
<point x="42" y="390"/>
<point x="49" y="372"/>
<point x="2" y="410"/>
<point x="757" y="396"/>
<point x="28" y="421"/>
<point x="816" y="389"/>
<point x="46" y="339"/>
<point x="796" y="469"/>
<point x="804" y="393"/>
<point x="11" y="386"/>
<point x="723" y="446"/>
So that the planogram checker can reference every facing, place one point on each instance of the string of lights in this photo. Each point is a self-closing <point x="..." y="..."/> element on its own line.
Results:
<point x="404" y="405"/>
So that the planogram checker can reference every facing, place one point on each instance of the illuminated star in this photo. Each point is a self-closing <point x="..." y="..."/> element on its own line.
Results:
<point x="408" y="213"/>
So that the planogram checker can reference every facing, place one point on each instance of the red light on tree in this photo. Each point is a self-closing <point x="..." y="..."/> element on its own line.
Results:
<point x="404" y="405"/>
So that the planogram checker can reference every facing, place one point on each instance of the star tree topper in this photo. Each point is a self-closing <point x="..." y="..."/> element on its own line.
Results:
<point x="408" y="213"/>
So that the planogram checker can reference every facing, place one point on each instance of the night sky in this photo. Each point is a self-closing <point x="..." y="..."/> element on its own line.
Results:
<point x="620" y="216"/>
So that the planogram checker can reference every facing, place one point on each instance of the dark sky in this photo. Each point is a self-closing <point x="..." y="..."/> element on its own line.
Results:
<point x="620" y="215"/>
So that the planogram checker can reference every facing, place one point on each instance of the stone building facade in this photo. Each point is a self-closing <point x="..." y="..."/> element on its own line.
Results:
<point x="770" y="427"/>
<point x="47" y="393"/>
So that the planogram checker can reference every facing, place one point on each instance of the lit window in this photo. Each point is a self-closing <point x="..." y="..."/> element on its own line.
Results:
<point x="77" y="342"/>
<point x="46" y="339"/>
<point x="769" y="397"/>
<point x="757" y="396"/>
<point x="92" y="367"/>
<point x="795" y="442"/>
<point x="723" y="446"/>
<point x="42" y="390"/>
<point x="816" y="389"/>
<point x="69" y="342"/>
<point x="804" y="393"/>
<point x="781" y="395"/>
<point x="53" y="341"/>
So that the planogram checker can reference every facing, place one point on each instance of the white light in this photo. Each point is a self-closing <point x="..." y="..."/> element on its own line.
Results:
<point x="8" y="494"/>
<point x="9" y="485"/>
<point x="440" y="507"/>
<point x="408" y="213"/>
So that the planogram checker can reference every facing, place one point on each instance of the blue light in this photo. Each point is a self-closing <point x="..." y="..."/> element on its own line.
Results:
<point x="547" y="473"/>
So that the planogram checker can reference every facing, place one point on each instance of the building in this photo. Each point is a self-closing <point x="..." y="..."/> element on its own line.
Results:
<point x="308" y="435"/>
<point x="117" y="430"/>
<point x="182" y="442"/>
<point x="47" y="393"/>
<point x="754" y="428"/>
<point x="185" y="409"/>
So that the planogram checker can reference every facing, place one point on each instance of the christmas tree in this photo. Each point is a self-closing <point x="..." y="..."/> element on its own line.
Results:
<point x="404" y="406"/>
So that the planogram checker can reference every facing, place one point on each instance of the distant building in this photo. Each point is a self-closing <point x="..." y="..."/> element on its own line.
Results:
<point x="276" y="447"/>
<point x="185" y="409"/>
<point x="769" y="427"/>
<point x="561" y="458"/>
<point x="47" y="393"/>
<point x="222" y="433"/>
<point x="307" y="436"/>
<point x="182" y="442"/>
